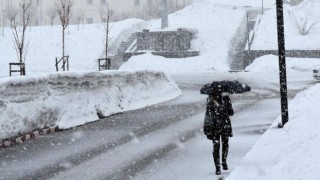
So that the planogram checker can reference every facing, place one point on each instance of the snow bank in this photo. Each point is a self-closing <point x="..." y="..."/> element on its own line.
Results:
<point x="71" y="99"/>
<point x="84" y="46"/>
<point x="291" y="152"/>
<point x="214" y="26"/>
<point x="299" y="71"/>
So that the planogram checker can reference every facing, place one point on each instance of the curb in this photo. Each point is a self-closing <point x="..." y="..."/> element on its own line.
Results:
<point x="32" y="135"/>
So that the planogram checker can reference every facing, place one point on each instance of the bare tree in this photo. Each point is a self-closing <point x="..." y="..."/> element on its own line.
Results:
<point x="151" y="10"/>
<point x="3" y="23"/>
<point x="11" y="14"/>
<point x="79" y="17"/>
<point x="52" y="13"/>
<point x="106" y="15"/>
<point x="64" y="12"/>
<point x="19" y="38"/>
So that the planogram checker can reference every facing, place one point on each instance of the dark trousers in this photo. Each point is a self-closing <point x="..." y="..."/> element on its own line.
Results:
<point x="216" y="149"/>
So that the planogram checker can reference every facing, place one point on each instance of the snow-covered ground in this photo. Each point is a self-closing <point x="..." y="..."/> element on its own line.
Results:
<point x="307" y="12"/>
<point x="84" y="46"/>
<point x="288" y="153"/>
<point x="215" y="27"/>
<point x="291" y="152"/>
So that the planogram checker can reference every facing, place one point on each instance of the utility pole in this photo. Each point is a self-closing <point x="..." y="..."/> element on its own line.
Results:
<point x="282" y="64"/>
<point x="164" y="14"/>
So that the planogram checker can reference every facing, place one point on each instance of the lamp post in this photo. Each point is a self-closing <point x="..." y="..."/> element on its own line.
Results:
<point x="282" y="64"/>
<point x="261" y="6"/>
<point x="164" y="14"/>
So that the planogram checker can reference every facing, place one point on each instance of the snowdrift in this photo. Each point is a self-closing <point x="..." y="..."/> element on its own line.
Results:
<point x="291" y="152"/>
<point x="72" y="99"/>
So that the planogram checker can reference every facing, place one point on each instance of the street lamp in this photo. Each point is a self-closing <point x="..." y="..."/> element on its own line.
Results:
<point x="164" y="14"/>
<point x="261" y="6"/>
<point x="282" y="64"/>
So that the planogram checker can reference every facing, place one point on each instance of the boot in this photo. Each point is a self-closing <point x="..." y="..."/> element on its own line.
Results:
<point x="218" y="170"/>
<point x="216" y="159"/>
<point x="225" y="149"/>
<point x="224" y="165"/>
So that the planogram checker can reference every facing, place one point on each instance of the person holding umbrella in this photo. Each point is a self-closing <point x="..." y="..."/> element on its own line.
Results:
<point x="217" y="125"/>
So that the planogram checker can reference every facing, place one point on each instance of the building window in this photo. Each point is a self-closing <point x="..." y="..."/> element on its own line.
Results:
<point x="103" y="2"/>
<point x="89" y="20"/>
<point x="137" y="2"/>
<point x="89" y="2"/>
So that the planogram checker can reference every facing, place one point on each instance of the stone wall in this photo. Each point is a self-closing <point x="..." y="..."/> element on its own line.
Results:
<point x="164" y="40"/>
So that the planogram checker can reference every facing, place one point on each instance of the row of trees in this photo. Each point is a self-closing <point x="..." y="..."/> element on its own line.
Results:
<point x="148" y="11"/>
<point x="63" y="11"/>
<point x="11" y="15"/>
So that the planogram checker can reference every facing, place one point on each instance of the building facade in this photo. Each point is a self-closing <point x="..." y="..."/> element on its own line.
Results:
<point x="43" y="12"/>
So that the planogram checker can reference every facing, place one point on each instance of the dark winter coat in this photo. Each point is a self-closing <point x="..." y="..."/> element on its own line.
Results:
<point x="217" y="121"/>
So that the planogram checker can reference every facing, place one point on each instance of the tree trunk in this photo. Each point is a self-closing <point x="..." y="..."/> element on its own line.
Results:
<point x="63" y="47"/>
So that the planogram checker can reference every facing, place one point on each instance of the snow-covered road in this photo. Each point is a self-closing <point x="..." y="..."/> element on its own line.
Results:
<point x="159" y="142"/>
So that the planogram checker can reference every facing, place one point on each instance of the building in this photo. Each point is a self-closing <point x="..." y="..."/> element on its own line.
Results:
<point x="87" y="11"/>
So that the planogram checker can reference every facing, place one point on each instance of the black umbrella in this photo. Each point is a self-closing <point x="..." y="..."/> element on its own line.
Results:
<point x="232" y="87"/>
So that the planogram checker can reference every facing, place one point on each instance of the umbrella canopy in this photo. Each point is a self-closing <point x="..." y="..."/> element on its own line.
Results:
<point x="232" y="87"/>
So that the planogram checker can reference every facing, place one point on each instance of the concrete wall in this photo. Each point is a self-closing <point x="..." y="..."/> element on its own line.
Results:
<point x="250" y="56"/>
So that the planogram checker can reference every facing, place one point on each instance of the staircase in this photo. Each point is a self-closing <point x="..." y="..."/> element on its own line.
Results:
<point x="118" y="59"/>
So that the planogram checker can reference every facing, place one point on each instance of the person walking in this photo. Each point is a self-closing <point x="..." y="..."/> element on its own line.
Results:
<point x="217" y="126"/>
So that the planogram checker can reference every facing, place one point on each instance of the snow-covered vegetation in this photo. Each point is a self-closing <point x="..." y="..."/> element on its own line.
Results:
<point x="301" y="28"/>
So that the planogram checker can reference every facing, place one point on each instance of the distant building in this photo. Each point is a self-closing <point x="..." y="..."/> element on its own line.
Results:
<point x="295" y="2"/>
<point x="89" y="11"/>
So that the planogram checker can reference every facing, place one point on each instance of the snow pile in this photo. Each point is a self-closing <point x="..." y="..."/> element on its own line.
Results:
<point x="299" y="71"/>
<point x="71" y="99"/>
<point x="291" y="152"/>
<point x="84" y="46"/>
<point x="307" y="12"/>
<point x="215" y="28"/>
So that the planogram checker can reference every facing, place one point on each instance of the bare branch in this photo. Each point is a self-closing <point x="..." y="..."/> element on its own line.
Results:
<point x="19" y="39"/>
<point x="52" y="13"/>
<point x="11" y="14"/>
<point x="106" y="16"/>
<point x="302" y="26"/>
<point x="64" y="12"/>
<point x="79" y="17"/>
